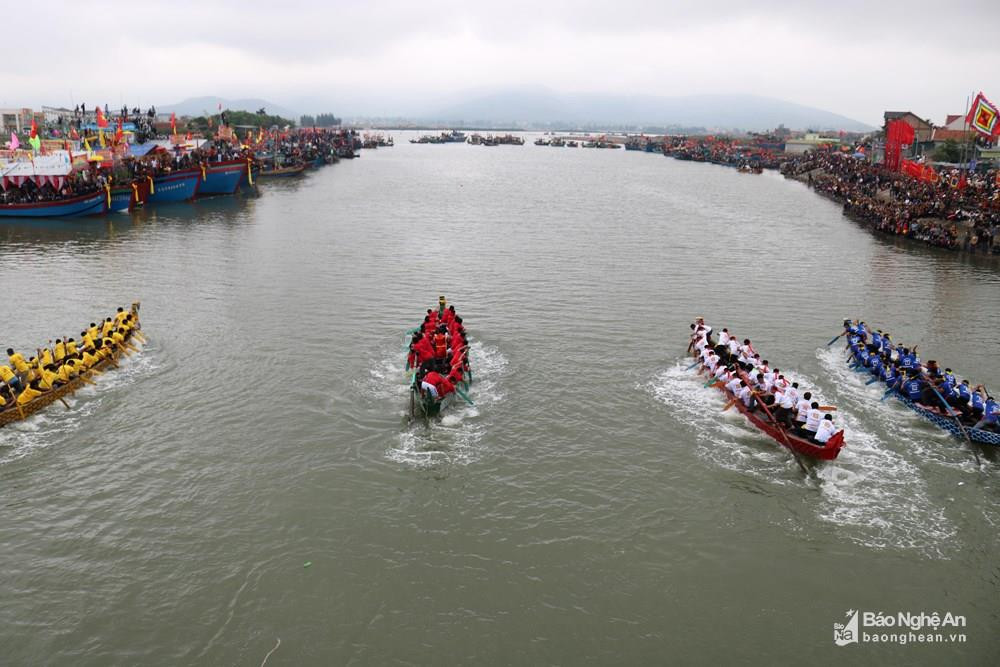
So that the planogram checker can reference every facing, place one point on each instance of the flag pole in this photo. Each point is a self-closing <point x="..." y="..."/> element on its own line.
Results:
<point x="965" y="139"/>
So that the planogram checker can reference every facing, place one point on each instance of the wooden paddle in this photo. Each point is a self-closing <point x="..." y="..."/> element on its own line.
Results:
<point x="835" y="338"/>
<point x="828" y="408"/>
<point x="730" y="404"/>
<point x="693" y="365"/>
<point x="961" y="426"/>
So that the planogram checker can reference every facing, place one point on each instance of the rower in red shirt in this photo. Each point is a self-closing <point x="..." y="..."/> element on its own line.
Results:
<point x="440" y="343"/>
<point x="443" y="385"/>
<point x="423" y="350"/>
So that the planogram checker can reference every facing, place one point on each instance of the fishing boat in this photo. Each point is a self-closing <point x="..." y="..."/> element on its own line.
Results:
<point x="222" y="178"/>
<point x="282" y="172"/>
<point x="175" y="186"/>
<point x="130" y="196"/>
<point x="935" y="415"/>
<point x="13" y="413"/>
<point x="94" y="203"/>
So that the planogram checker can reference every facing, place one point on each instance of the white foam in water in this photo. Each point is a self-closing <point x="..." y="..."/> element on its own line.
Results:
<point x="455" y="437"/>
<point x="873" y="495"/>
<point x="48" y="426"/>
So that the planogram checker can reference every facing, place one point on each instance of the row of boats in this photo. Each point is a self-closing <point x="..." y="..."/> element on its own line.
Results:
<point x="163" y="173"/>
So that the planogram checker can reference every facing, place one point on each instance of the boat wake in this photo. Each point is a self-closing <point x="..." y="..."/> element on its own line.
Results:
<point x="872" y="494"/>
<point x="456" y="437"/>
<point x="55" y="423"/>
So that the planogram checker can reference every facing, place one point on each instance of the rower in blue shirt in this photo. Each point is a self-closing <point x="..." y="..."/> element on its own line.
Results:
<point x="991" y="415"/>
<point x="876" y="365"/>
<point x="877" y="340"/>
<point x="887" y="344"/>
<point x="913" y="387"/>
<point x="905" y="359"/>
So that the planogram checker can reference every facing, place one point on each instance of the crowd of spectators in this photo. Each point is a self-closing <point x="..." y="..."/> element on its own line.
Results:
<point x="955" y="212"/>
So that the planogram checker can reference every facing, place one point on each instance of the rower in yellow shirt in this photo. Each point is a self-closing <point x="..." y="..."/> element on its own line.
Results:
<point x="89" y="360"/>
<point x="107" y="327"/>
<point x="60" y="351"/>
<point x="46" y="358"/>
<point x="17" y="361"/>
<point x="30" y="393"/>
<point x="48" y="378"/>
<point x="71" y="348"/>
<point x="93" y="331"/>
<point x="8" y="376"/>
<point x="66" y="373"/>
<point x="120" y="315"/>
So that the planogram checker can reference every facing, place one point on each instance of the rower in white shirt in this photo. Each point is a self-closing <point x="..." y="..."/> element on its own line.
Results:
<point x="825" y="429"/>
<point x="802" y="408"/>
<point x="734" y="385"/>
<point x="746" y="395"/>
<point x="734" y="347"/>
<point x="813" y="417"/>
<point x="724" y="337"/>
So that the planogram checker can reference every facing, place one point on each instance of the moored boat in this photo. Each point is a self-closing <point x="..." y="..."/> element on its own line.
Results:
<point x="282" y="172"/>
<point x="175" y="186"/>
<point x="130" y="196"/>
<point x="222" y="178"/>
<point x="93" y="203"/>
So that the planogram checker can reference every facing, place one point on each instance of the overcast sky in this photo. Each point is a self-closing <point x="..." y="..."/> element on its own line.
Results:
<point x="398" y="57"/>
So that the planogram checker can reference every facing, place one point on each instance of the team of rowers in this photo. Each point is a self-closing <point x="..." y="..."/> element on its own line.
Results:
<point x="934" y="389"/>
<point x="24" y="380"/>
<point x="439" y="352"/>
<point x="752" y="381"/>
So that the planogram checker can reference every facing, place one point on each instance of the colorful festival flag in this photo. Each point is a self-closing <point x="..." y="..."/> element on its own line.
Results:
<point x="173" y="123"/>
<point x="34" y="129"/>
<point x="36" y="143"/>
<point x="101" y="120"/>
<point x="983" y="116"/>
<point x="14" y="143"/>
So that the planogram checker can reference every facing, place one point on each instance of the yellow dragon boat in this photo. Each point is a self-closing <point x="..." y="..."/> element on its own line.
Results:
<point x="13" y="413"/>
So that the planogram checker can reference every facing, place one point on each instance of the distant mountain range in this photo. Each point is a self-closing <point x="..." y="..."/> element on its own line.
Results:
<point x="197" y="106"/>
<point x="713" y="112"/>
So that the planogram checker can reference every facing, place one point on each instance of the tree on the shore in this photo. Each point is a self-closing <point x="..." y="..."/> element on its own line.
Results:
<point x="949" y="151"/>
<point x="320" y="120"/>
<point x="256" y="119"/>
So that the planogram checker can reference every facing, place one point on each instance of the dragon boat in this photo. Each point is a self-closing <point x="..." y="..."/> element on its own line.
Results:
<point x="423" y="403"/>
<point x="947" y="422"/>
<point x="13" y="413"/>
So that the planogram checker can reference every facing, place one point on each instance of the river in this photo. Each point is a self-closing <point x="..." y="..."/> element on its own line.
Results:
<point x="251" y="476"/>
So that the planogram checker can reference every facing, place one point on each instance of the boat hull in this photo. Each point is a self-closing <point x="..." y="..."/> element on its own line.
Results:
<point x="175" y="187"/>
<point x="222" y="178"/>
<point x="94" y="203"/>
<point x="284" y="172"/>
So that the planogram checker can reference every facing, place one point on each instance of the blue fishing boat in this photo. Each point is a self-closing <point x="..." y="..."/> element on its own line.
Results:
<point x="222" y="178"/>
<point x="176" y="186"/>
<point x="94" y="203"/>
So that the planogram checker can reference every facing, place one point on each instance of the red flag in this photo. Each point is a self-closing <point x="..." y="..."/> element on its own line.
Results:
<point x="34" y="129"/>
<point x="173" y="123"/>
<point x="101" y="120"/>
<point x="119" y="131"/>
<point x="74" y="134"/>
<point x="962" y="181"/>
<point x="188" y="137"/>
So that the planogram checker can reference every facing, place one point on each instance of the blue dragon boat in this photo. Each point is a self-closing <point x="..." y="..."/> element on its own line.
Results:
<point x="935" y="416"/>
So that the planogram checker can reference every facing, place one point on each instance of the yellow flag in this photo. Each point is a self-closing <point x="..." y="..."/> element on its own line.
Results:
<point x="86" y="145"/>
<point x="100" y="135"/>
